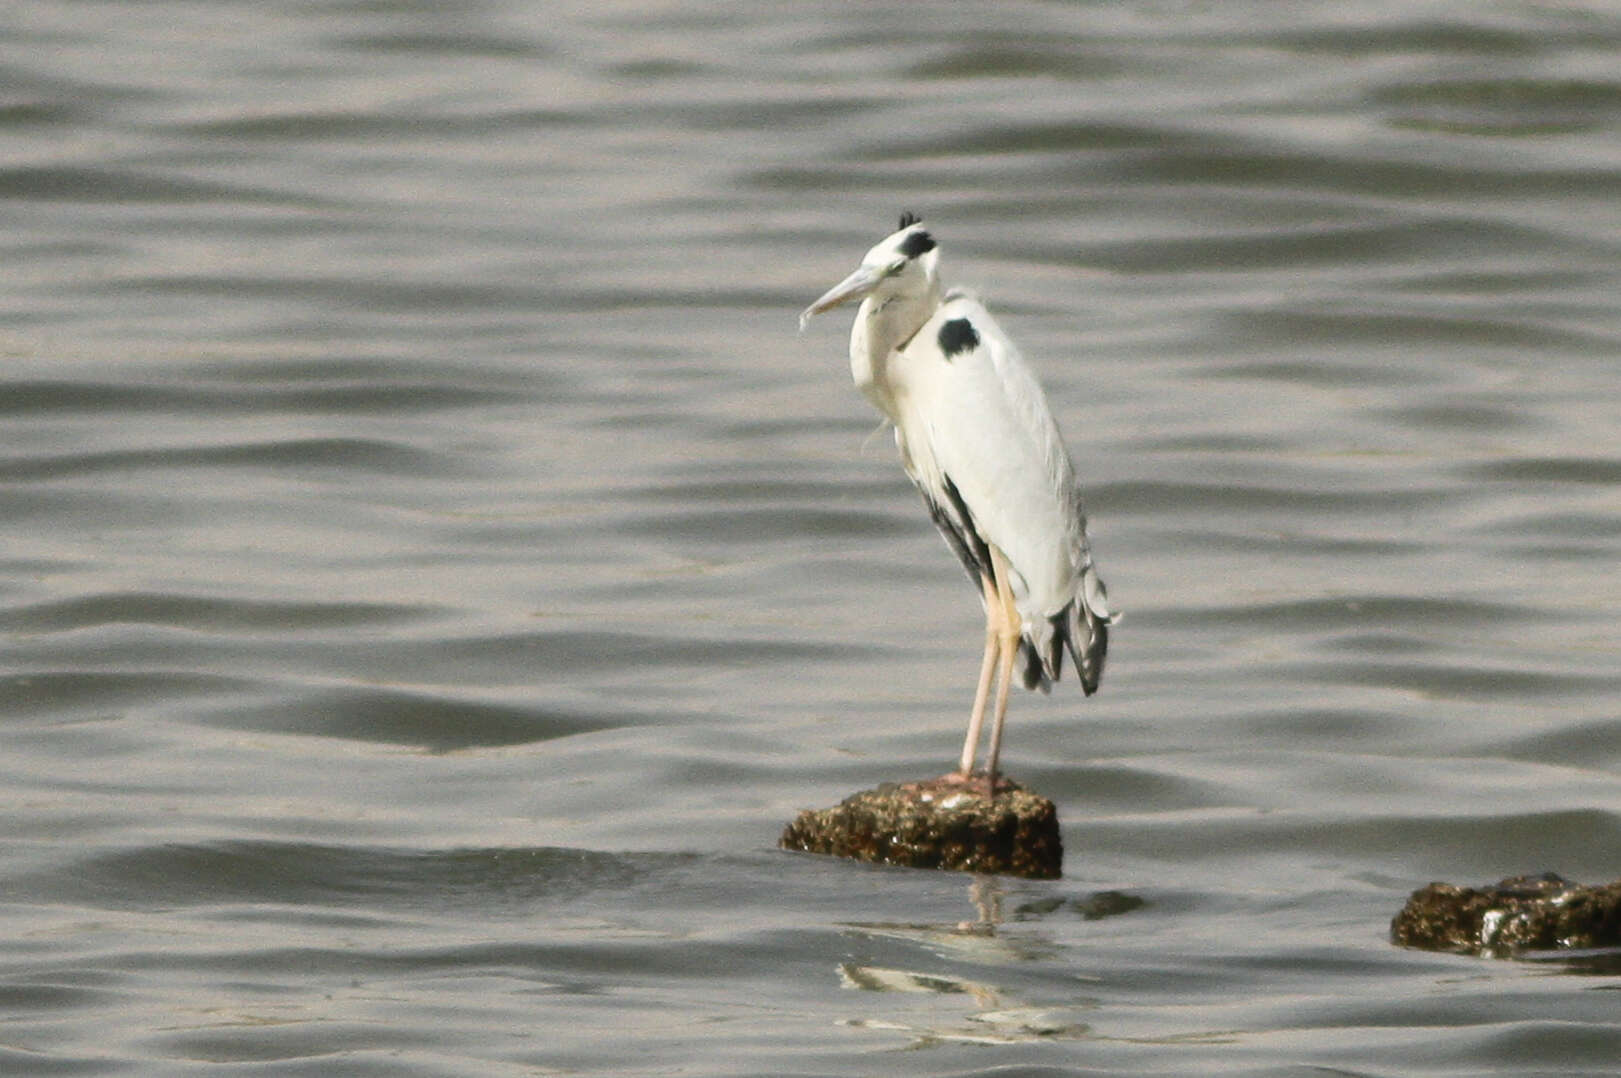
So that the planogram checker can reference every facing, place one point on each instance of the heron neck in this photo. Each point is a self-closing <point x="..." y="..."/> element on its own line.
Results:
<point x="883" y="326"/>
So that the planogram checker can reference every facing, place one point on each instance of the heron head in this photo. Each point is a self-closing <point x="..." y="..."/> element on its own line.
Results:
<point x="901" y="265"/>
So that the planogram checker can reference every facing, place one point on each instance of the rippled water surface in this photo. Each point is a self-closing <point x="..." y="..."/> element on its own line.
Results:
<point x="434" y="567"/>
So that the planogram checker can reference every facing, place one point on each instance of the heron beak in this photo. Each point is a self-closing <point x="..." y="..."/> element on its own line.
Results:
<point x="854" y="287"/>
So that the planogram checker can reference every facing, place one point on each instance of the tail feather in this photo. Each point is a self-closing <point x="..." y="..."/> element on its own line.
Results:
<point x="1090" y="660"/>
<point x="1088" y="636"/>
<point x="1079" y="629"/>
<point x="1036" y="672"/>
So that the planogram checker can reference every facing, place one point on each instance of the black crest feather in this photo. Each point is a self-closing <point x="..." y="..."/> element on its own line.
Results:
<point x="908" y="219"/>
<point x="917" y="243"/>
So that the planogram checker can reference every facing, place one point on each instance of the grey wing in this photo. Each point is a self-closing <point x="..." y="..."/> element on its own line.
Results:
<point x="1020" y="480"/>
<point x="956" y="524"/>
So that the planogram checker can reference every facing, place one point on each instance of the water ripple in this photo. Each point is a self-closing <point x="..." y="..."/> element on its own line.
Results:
<point x="314" y="874"/>
<point x="356" y="455"/>
<point x="429" y="722"/>
<point x="199" y="614"/>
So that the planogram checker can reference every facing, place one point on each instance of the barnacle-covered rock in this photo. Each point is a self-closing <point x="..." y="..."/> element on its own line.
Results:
<point x="939" y="823"/>
<point x="1523" y="913"/>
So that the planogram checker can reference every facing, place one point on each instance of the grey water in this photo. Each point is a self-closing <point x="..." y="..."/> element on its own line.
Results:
<point x="433" y="566"/>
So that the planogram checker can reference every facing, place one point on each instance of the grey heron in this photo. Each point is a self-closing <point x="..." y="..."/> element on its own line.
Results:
<point x="978" y="440"/>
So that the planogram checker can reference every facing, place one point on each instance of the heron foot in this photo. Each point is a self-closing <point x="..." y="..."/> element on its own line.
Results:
<point x="982" y="783"/>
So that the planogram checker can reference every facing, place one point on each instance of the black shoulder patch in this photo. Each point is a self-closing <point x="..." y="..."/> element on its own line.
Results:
<point x="917" y="243"/>
<point x="908" y="219"/>
<point x="958" y="335"/>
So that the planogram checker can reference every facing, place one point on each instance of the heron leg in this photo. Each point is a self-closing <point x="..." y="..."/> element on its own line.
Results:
<point x="1011" y="633"/>
<point x="987" y="667"/>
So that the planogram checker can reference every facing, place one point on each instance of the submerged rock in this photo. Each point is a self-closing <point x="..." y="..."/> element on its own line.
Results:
<point x="939" y="823"/>
<point x="1524" y="913"/>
